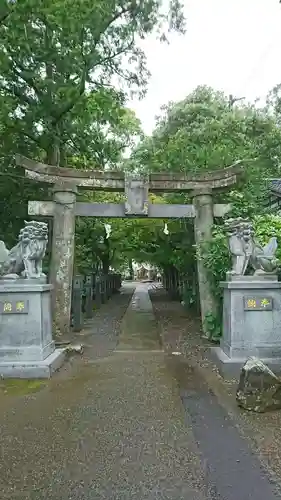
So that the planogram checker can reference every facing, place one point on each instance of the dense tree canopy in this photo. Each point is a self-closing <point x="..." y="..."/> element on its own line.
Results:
<point x="202" y="133"/>
<point x="67" y="68"/>
<point x="55" y="54"/>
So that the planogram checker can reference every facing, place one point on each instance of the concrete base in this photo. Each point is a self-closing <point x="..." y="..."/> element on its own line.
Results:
<point x="33" y="369"/>
<point x="230" y="368"/>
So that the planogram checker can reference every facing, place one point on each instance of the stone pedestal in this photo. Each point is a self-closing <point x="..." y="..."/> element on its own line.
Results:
<point x="251" y="323"/>
<point x="27" y="349"/>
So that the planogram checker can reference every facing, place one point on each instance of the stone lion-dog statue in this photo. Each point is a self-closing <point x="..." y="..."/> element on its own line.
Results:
<point x="25" y="258"/>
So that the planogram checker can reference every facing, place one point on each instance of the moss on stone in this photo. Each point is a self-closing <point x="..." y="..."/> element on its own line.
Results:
<point x="20" y="387"/>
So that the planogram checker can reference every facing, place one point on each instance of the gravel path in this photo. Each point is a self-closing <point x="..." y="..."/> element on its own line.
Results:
<point x="112" y="427"/>
<point x="127" y="421"/>
<point x="241" y="450"/>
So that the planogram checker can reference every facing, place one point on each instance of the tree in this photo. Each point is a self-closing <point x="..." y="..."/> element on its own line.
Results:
<point x="6" y="8"/>
<point x="93" y="249"/>
<point x="202" y="118"/>
<point x="99" y="137"/>
<point x="202" y="133"/>
<point x="59" y="61"/>
<point x="53" y="53"/>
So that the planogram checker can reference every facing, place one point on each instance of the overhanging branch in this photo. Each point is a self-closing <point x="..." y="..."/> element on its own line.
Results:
<point x="88" y="61"/>
<point x="24" y="76"/>
<point x="68" y="106"/>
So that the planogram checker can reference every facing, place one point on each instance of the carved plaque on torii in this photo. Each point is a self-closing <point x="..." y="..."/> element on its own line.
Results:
<point x="136" y="192"/>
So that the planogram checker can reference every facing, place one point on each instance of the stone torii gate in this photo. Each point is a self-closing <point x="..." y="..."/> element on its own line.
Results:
<point x="64" y="208"/>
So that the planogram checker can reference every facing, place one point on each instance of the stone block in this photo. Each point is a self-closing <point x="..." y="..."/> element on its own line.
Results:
<point x="136" y="191"/>
<point x="259" y="388"/>
<point x="251" y="324"/>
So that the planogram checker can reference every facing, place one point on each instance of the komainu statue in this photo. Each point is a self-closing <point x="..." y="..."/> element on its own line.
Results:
<point x="245" y="250"/>
<point x="25" y="258"/>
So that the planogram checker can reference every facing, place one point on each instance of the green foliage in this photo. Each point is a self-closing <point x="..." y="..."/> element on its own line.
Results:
<point x="267" y="226"/>
<point x="58" y="62"/>
<point x="100" y="133"/>
<point x="203" y="133"/>
<point x="66" y="70"/>
<point x="216" y="258"/>
<point x="188" y="296"/>
<point x="215" y="254"/>
<point x="202" y="118"/>
<point x="212" y="325"/>
<point x="54" y="55"/>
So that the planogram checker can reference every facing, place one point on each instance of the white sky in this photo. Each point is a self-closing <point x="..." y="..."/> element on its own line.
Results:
<point x="231" y="45"/>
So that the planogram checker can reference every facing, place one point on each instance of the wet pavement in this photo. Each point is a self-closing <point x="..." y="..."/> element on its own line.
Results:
<point x="126" y="421"/>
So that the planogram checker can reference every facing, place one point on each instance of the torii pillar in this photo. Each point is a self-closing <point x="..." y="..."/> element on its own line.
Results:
<point x="203" y="224"/>
<point x="63" y="209"/>
<point x="62" y="258"/>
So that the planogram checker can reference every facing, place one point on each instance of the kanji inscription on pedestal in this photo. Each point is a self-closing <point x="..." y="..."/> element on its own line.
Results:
<point x="258" y="303"/>
<point x="14" y="307"/>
